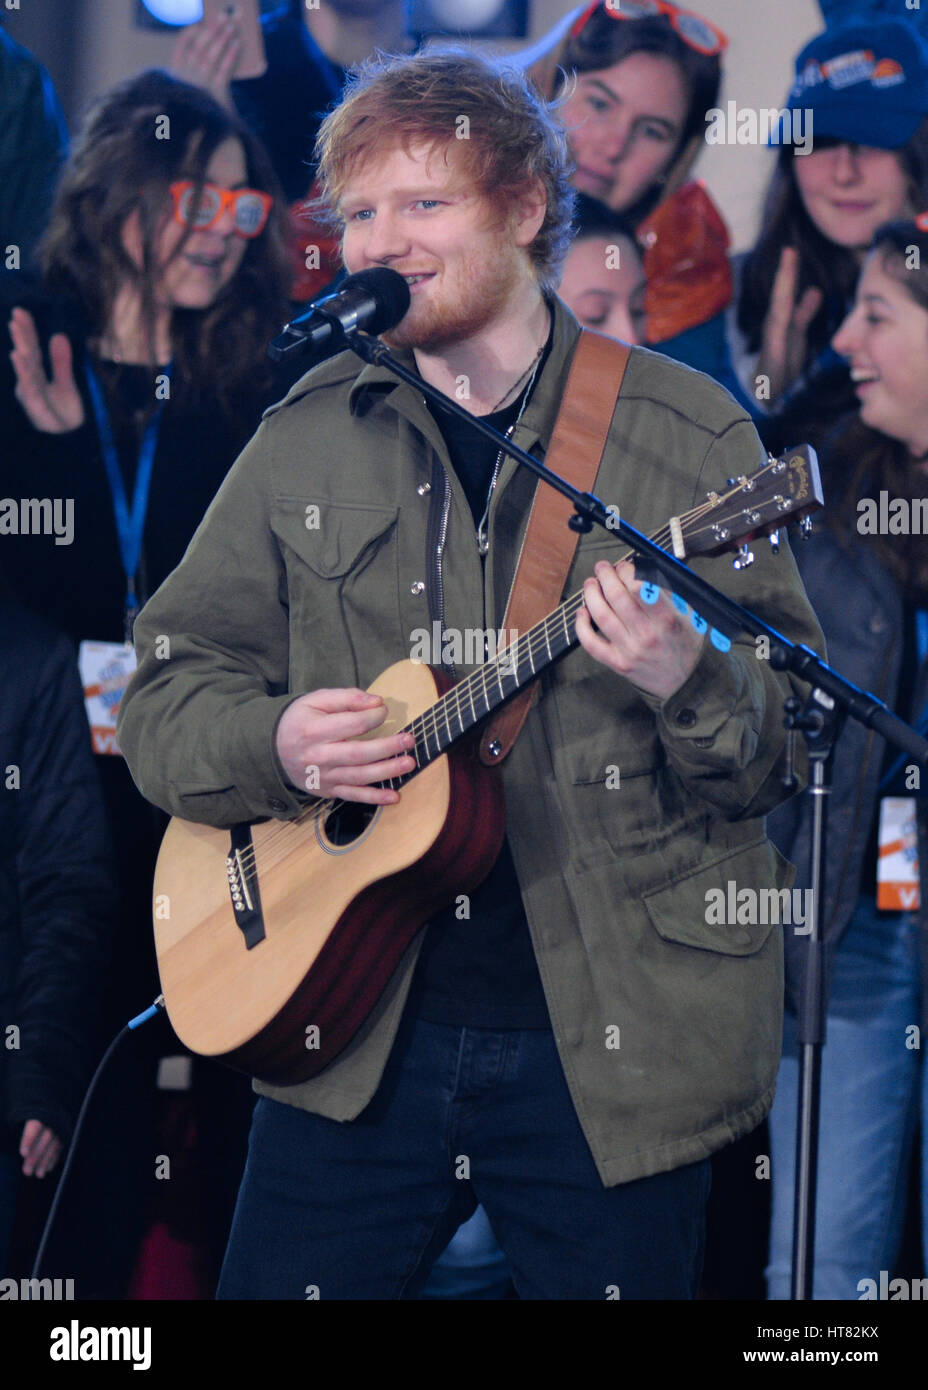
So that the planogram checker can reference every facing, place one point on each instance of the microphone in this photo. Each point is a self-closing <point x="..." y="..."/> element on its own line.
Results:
<point x="373" y="300"/>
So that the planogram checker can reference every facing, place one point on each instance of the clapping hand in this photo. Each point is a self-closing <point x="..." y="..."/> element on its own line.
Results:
<point x="206" y="54"/>
<point x="55" y="406"/>
<point x="783" y="344"/>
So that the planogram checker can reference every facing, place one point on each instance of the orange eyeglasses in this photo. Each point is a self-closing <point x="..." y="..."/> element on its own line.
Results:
<point x="250" y="207"/>
<point x="695" y="31"/>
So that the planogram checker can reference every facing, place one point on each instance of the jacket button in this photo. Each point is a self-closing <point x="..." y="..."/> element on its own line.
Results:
<point x="418" y="587"/>
<point x="276" y="804"/>
<point x="686" y="718"/>
<point x="877" y="624"/>
<point x="423" y="488"/>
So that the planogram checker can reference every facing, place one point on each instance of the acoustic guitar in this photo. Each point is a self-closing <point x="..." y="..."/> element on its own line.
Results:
<point x="275" y="939"/>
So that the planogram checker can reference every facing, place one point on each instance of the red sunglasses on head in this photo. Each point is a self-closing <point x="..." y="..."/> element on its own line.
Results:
<point x="250" y="207"/>
<point x="695" y="31"/>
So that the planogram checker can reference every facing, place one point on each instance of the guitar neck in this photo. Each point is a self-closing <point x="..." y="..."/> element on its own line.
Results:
<point x="784" y="487"/>
<point x="479" y="694"/>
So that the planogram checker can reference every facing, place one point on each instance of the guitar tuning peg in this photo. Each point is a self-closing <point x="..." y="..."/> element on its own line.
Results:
<point x="744" y="559"/>
<point x="805" y="526"/>
<point x="730" y="482"/>
<point x="774" y="539"/>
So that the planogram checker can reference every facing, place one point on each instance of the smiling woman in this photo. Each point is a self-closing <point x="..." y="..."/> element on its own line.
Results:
<point x="864" y="91"/>
<point x="867" y="576"/>
<point x="138" y="372"/>
<point x="135" y="265"/>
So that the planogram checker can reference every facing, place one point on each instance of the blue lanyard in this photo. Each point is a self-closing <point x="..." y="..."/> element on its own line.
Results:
<point x="921" y="634"/>
<point x="130" y="525"/>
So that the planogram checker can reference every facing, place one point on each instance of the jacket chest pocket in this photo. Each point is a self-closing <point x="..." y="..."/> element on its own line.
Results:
<point x="342" y="587"/>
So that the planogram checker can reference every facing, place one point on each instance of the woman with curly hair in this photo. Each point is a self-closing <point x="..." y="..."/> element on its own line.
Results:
<point x="139" y="372"/>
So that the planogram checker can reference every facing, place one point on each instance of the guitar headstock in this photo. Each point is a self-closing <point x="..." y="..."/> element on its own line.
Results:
<point x="785" y="489"/>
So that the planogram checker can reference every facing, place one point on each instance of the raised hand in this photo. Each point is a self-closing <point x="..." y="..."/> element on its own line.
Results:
<point x="783" y="342"/>
<point x="322" y="732"/>
<point x="55" y="406"/>
<point x="205" y="54"/>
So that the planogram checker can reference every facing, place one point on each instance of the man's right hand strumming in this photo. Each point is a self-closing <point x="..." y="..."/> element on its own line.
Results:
<point x="320" y="743"/>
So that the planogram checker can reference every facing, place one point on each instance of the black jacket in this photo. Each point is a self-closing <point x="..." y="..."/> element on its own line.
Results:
<point x="285" y="106"/>
<point x="860" y="607"/>
<point x="57" y="884"/>
<point x="33" y="144"/>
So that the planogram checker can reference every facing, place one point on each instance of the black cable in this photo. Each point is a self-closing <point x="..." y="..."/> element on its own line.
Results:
<point x="124" y="1032"/>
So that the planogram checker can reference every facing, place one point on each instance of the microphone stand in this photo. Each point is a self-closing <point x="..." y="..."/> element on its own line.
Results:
<point x="820" y="723"/>
<point x="832" y="699"/>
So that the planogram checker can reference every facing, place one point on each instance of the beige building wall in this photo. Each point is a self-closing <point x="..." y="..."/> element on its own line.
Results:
<point x="90" y="44"/>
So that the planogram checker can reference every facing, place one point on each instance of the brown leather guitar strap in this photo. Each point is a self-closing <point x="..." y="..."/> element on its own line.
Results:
<point x="576" y="449"/>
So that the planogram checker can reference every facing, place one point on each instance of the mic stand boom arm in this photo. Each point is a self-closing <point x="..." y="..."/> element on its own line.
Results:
<point x="717" y="608"/>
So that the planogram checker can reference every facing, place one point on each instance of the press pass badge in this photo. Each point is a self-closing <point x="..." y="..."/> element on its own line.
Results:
<point x="897" y="861"/>
<point x="105" y="669"/>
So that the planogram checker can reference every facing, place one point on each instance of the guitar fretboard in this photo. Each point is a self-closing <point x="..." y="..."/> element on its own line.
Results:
<point x="477" y="695"/>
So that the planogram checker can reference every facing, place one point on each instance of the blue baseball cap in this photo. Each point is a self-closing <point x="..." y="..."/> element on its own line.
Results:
<point x="864" y="83"/>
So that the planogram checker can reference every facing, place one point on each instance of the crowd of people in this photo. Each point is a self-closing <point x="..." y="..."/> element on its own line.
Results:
<point x="191" y="216"/>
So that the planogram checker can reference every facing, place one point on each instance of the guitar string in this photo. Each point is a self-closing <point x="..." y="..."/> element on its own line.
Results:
<point x="538" y="639"/>
<point x="428" y="724"/>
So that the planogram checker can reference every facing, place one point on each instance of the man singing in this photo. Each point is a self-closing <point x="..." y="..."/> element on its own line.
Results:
<point x="569" y="1044"/>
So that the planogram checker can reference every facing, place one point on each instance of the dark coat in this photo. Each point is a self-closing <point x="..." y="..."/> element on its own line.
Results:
<point x="33" y="144"/>
<point x="860" y="608"/>
<point x="57" y="882"/>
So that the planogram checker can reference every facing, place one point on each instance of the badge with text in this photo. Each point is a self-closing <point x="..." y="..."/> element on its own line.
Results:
<point x="897" y="865"/>
<point x="105" y="670"/>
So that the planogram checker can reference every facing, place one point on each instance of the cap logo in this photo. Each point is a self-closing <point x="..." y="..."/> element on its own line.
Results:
<point x="847" y="70"/>
<point x="887" y="73"/>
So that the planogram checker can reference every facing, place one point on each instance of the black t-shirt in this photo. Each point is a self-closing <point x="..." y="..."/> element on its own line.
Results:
<point x="480" y="971"/>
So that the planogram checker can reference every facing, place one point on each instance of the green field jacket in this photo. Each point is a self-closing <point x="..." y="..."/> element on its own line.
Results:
<point x="624" y="813"/>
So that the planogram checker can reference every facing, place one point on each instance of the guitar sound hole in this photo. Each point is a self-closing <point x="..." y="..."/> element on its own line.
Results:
<point x="349" y="822"/>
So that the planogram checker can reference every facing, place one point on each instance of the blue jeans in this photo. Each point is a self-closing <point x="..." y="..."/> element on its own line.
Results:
<point x="873" y="1088"/>
<point x="361" y="1210"/>
<point x="472" y="1266"/>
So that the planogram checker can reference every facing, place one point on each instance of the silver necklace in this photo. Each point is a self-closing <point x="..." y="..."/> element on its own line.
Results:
<point x="483" y="540"/>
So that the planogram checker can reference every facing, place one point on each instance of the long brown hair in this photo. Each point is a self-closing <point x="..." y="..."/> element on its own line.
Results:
<point x="832" y="269"/>
<point x="604" y="41"/>
<point x="862" y="462"/>
<point x="140" y="137"/>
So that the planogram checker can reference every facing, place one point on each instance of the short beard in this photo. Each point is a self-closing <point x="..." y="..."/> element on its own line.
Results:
<point x="438" y="332"/>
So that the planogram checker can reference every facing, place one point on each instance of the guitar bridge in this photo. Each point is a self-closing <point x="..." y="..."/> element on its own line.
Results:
<point x="243" y="885"/>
